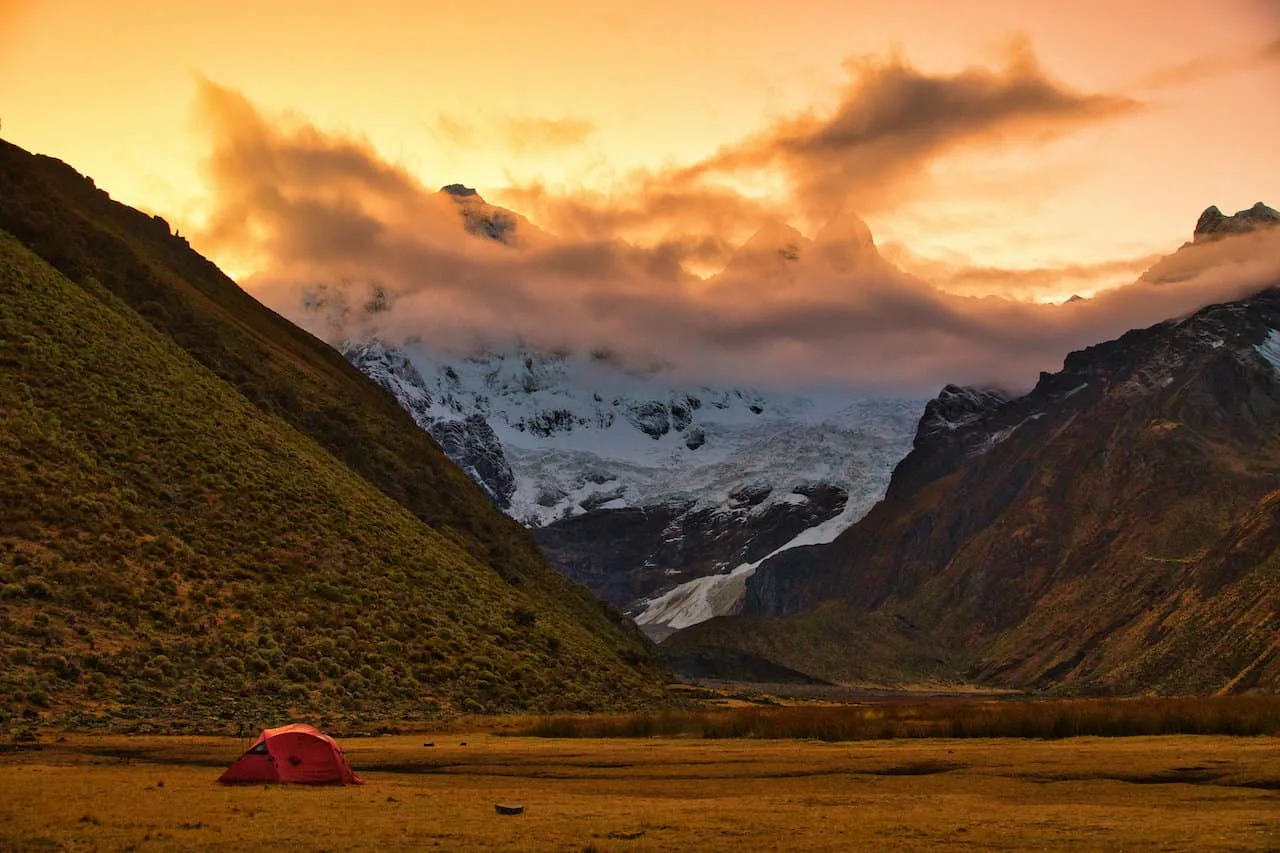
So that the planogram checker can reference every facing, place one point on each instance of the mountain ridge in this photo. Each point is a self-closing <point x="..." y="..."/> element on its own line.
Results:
<point x="1053" y="540"/>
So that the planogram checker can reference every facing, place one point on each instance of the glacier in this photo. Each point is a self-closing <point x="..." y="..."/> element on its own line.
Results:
<point x="555" y="436"/>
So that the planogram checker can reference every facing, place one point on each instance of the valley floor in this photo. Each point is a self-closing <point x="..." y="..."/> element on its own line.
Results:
<point x="157" y="793"/>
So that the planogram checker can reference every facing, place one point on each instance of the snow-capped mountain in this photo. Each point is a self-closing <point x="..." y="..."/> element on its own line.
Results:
<point x="659" y="496"/>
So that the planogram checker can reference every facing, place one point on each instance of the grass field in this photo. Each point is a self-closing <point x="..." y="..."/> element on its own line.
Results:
<point x="1140" y="793"/>
<point x="902" y="716"/>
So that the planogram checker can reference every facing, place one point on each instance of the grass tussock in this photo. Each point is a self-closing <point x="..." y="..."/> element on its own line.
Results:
<point x="1217" y="715"/>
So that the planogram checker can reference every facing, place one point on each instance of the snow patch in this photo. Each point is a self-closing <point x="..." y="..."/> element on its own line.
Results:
<point x="697" y="600"/>
<point x="1076" y="390"/>
<point x="1002" y="435"/>
<point x="1269" y="349"/>
<point x="721" y="595"/>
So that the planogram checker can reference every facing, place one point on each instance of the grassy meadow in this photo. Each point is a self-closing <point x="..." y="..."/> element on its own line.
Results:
<point x="648" y="794"/>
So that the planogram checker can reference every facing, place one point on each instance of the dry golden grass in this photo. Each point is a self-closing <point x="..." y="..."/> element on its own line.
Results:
<point x="903" y="717"/>
<point x="1184" y="792"/>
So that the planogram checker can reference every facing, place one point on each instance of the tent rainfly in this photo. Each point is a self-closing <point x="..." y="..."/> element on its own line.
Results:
<point x="297" y="754"/>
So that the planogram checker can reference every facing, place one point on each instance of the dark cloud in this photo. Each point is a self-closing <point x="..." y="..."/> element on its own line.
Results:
<point x="329" y="223"/>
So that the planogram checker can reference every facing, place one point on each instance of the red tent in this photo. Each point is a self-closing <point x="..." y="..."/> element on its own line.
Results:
<point x="297" y="754"/>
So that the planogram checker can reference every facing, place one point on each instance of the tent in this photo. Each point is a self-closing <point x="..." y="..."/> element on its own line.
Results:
<point x="296" y="754"/>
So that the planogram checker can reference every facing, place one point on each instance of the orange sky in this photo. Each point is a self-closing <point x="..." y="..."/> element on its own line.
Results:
<point x="1030" y="148"/>
<point x="450" y="90"/>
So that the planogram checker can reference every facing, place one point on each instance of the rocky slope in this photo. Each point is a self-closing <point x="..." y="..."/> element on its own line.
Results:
<point x="1114" y="530"/>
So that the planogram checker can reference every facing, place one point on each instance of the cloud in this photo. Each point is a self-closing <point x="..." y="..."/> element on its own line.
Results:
<point x="516" y="134"/>
<point x="1036" y="284"/>
<point x="893" y="120"/>
<point x="873" y="151"/>
<point x="647" y="210"/>
<point x="330" y="225"/>
<point x="1213" y="65"/>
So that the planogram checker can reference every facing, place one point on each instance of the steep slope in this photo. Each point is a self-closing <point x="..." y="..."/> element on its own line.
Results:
<point x="170" y="550"/>
<point x="284" y="371"/>
<point x="1111" y="531"/>
<point x="110" y="465"/>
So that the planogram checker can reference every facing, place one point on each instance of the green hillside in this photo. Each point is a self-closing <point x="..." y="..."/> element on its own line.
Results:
<point x="100" y="244"/>
<point x="206" y="516"/>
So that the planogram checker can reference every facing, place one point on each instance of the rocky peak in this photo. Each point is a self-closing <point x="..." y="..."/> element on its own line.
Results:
<point x="460" y="191"/>
<point x="1213" y="224"/>
<point x="955" y="407"/>
<point x="483" y="219"/>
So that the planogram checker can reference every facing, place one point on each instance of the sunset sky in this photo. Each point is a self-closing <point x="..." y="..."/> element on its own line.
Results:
<point x="1022" y="149"/>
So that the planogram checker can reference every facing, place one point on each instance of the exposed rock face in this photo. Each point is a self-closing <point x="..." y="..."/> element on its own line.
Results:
<point x="944" y="436"/>
<point x="1213" y="225"/>
<point x="469" y="441"/>
<point x="628" y="554"/>
<point x="1221" y="241"/>
<point x="1113" y="530"/>
<point x="956" y="407"/>
<point x="489" y="221"/>
<point x="651" y="418"/>
<point x="472" y="444"/>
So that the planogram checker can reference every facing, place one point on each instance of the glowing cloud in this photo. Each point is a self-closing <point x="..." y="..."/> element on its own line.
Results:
<point x="348" y="244"/>
<point x="871" y="152"/>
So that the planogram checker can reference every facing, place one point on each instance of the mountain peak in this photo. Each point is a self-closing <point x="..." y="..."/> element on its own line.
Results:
<point x="460" y="191"/>
<point x="776" y="236"/>
<point x="1213" y="224"/>
<point x="957" y="406"/>
<point x="846" y="244"/>
<point x="771" y="252"/>
<point x="846" y="230"/>
<point x="486" y="220"/>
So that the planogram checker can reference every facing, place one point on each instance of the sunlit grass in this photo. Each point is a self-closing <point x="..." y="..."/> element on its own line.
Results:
<point x="153" y="793"/>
